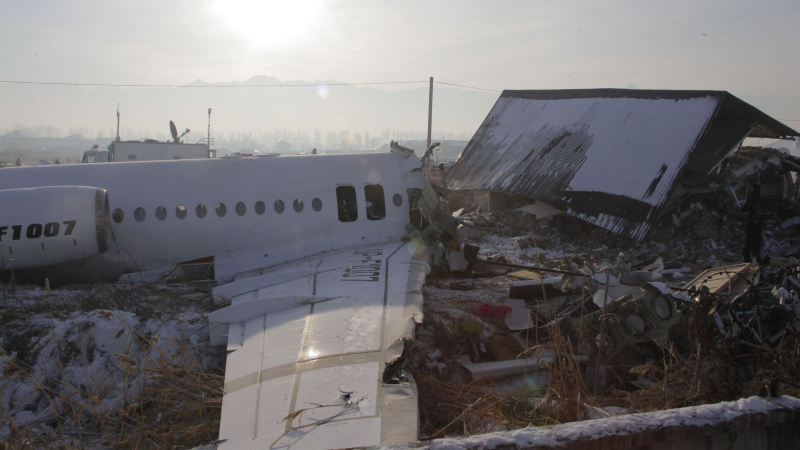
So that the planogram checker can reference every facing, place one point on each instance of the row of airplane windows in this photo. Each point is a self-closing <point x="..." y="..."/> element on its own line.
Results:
<point x="345" y="196"/>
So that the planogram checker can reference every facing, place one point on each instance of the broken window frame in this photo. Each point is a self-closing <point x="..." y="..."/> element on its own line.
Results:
<point x="375" y="200"/>
<point x="347" y="203"/>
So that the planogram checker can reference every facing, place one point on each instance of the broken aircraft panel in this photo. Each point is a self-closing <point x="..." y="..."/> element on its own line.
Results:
<point x="610" y="157"/>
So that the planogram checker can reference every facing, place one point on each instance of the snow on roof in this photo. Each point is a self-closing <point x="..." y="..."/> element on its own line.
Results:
<point x="607" y="156"/>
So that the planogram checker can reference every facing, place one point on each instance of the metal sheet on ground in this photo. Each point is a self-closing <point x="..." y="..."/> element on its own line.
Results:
<point x="718" y="278"/>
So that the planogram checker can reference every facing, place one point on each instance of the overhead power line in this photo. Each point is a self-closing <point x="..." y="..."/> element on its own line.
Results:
<point x="240" y="86"/>
<point x="237" y="86"/>
<point x="63" y="83"/>
<point x="465" y="86"/>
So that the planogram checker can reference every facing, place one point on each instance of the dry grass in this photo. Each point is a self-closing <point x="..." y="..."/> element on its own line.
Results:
<point x="450" y="409"/>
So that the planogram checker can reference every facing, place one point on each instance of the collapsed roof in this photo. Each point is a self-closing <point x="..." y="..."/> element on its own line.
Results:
<point x="610" y="157"/>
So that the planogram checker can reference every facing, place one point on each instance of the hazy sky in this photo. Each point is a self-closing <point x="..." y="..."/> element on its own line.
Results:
<point x="743" y="46"/>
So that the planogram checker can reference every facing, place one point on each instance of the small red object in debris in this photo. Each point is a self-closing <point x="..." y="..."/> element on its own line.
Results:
<point x="487" y="309"/>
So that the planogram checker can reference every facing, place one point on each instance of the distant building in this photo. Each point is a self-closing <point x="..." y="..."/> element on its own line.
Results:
<point x="102" y="143"/>
<point x="283" y="147"/>
<point x="19" y="140"/>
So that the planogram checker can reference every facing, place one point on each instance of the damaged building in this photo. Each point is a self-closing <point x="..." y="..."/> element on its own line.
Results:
<point x="615" y="158"/>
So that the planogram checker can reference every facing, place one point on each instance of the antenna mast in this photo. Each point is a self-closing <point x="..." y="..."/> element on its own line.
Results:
<point x="113" y="146"/>
<point x="208" y="139"/>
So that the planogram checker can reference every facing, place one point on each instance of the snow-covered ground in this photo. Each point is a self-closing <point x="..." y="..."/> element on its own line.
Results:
<point x="73" y="358"/>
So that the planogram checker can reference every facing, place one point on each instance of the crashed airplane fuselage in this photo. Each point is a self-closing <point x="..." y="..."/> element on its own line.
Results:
<point x="107" y="220"/>
<point x="310" y="252"/>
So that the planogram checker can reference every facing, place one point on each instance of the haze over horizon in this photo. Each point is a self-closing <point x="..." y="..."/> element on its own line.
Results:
<point x="507" y="45"/>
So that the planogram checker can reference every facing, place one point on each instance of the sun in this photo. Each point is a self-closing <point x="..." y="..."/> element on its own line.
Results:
<point x="268" y="23"/>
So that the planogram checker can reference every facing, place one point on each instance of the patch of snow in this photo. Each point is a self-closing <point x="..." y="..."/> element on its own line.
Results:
<point x="436" y="354"/>
<point x="556" y="436"/>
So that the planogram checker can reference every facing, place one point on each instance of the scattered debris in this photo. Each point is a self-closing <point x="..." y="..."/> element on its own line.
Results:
<point x="519" y="317"/>
<point x="599" y="322"/>
<point x="486" y="309"/>
<point x="462" y="286"/>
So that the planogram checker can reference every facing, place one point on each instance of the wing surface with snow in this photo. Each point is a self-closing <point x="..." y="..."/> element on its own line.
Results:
<point x="315" y="350"/>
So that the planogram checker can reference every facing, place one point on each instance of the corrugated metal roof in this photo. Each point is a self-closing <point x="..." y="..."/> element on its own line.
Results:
<point x="607" y="156"/>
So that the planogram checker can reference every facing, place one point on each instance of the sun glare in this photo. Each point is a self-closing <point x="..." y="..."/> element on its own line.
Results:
<point x="267" y="23"/>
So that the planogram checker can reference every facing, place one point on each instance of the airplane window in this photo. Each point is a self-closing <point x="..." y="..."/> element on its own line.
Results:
<point x="298" y="205"/>
<point x="118" y="215"/>
<point x="260" y="208"/>
<point x="161" y="213"/>
<point x="180" y="212"/>
<point x="279" y="206"/>
<point x="346" y="203"/>
<point x="221" y="209"/>
<point x="376" y="203"/>
<point x="139" y="214"/>
<point x="201" y="210"/>
<point x="397" y="199"/>
<point x="316" y="204"/>
<point x="240" y="209"/>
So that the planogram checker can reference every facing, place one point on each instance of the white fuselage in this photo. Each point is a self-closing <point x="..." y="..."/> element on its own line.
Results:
<point x="235" y="231"/>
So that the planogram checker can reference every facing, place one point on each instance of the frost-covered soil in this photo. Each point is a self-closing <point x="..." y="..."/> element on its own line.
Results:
<point x="72" y="358"/>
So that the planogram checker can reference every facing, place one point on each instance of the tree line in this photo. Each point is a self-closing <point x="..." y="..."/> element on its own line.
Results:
<point x="300" y="140"/>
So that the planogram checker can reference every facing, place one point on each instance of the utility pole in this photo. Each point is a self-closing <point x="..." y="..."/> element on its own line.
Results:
<point x="117" y="122"/>
<point x="430" y="111"/>
<point x="208" y="138"/>
<point x="113" y="156"/>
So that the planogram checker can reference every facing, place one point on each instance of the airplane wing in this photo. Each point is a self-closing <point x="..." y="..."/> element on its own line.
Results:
<point x="316" y="350"/>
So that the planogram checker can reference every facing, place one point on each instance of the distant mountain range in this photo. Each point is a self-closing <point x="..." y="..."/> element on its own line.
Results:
<point x="327" y="107"/>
